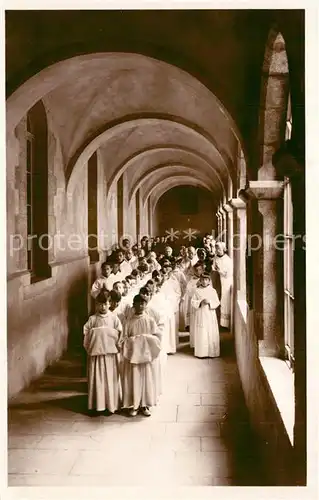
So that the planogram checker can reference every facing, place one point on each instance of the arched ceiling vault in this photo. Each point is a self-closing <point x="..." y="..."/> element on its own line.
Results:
<point x="146" y="159"/>
<point x="123" y="103"/>
<point x="168" y="169"/>
<point x="168" y="184"/>
<point x="133" y="131"/>
<point x="149" y="183"/>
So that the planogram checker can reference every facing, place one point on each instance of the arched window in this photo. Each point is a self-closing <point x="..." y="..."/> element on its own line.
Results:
<point x="288" y="257"/>
<point x="37" y="192"/>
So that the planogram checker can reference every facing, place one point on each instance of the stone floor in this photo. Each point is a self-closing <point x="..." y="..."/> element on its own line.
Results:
<point x="199" y="434"/>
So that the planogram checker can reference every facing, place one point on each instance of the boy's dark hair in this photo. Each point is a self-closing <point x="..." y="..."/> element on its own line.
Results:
<point x="144" y="291"/>
<point x="103" y="297"/>
<point x="129" y="277"/>
<point x="199" y="264"/>
<point x="106" y="263"/>
<point x="134" y="273"/>
<point x="155" y="274"/>
<point x="150" y="282"/>
<point x="115" y="296"/>
<point x="117" y="283"/>
<point x="138" y="299"/>
<point x="143" y="268"/>
<point x="205" y="275"/>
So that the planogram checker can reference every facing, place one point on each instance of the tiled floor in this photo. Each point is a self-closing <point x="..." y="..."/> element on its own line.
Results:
<point x="198" y="435"/>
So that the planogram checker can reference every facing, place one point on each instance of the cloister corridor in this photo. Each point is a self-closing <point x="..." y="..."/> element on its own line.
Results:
<point x="154" y="157"/>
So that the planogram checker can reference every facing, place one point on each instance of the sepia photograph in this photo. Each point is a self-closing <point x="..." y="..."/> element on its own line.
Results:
<point x="156" y="248"/>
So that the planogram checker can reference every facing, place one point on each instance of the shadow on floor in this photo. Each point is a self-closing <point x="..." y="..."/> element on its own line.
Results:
<point x="68" y="376"/>
<point x="236" y="432"/>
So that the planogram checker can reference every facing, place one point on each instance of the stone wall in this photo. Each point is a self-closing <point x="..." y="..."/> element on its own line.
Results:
<point x="46" y="316"/>
<point x="275" y="448"/>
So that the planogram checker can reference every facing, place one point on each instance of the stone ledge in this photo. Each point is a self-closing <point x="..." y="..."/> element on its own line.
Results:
<point x="281" y="382"/>
<point x="264" y="190"/>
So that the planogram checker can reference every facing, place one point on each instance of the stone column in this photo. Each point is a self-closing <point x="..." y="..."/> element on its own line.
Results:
<point x="218" y="224"/>
<point x="267" y="282"/>
<point x="239" y="246"/>
<point x="222" y="235"/>
<point x="230" y="229"/>
<point x="224" y="232"/>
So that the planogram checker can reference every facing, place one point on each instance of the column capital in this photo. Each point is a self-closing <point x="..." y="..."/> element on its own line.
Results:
<point x="227" y="207"/>
<point x="237" y="203"/>
<point x="263" y="190"/>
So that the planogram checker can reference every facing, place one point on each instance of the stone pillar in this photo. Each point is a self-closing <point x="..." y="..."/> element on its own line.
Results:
<point x="239" y="246"/>
<point x="219" y="224"/>
<point x="230" y="229"/>
<point x="149" y="215"/>
<point x="267" y="283"/>
<point x="223" y="235"/>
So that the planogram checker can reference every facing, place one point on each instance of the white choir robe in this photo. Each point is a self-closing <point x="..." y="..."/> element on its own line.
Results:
<point x="185" y="263"/>
<point x="180" y="276"/>
<point x="186" y="305"/>
<point x="104" y="387"/>
<point x="158" y="303"/>
<point x="170" y="291"/>
<point x="159" y="315"/>
<point x="119" y="276"/>
<point x="133" y="262"/>
<point x="125" y="269"/>
<point x="100" y="283"/>
<point x="225" y="266"/>
<point x="140" y="381"/>
<point x="205" y="324"/>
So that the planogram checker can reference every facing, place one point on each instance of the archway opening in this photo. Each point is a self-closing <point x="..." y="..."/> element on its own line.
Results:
<point x="185" y="214"/>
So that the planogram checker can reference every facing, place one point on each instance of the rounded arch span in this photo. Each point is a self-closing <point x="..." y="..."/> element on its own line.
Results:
<point x="273" y="100"/>
<point x="172" y="171"/>
<point x="170" y="167"/>
<point x="196" y="106"/>
<point x="176" y="180"/>
<point x="143" y="153"/>
<point x="42" y="77"/>
<point x="132" y="122"/>
<point x="165" y="186"/>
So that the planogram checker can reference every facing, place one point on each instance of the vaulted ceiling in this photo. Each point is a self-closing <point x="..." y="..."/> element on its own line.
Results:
<point x="162" y="95"/>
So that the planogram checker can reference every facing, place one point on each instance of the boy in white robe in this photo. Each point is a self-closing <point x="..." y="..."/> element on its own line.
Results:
<point x="191" y="286"/>
<point x="224" y="266"/>
<point x="105" y="281"/>
<point x="141" y="345"/>
<point x="171" y="288"/>
<point x="125" y="267"/>
<point x="205" y="332"/>
<point x="117" y="275"/>
<point x="101" y="338"/>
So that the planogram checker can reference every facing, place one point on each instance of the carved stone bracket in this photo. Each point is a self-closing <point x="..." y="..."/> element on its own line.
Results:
<point x="263" y="190"/>
<point x="237" y="203"/>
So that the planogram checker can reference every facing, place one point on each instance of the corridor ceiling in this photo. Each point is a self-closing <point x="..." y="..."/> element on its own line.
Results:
<point x="167" y="98"/>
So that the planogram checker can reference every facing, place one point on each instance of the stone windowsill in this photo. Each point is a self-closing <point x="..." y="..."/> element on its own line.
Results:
<point x="281" y="382"/>
<point x="243" y="306"/>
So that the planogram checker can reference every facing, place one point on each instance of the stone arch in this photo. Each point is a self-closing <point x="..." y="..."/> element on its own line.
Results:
<point x="169" y="167"/>
<point x="273" y="102"/>
<point x="167" y="184"/>
<point x="152" y="181"/>
<point x="75" y="166"/>
<point x="142" y="153"/>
